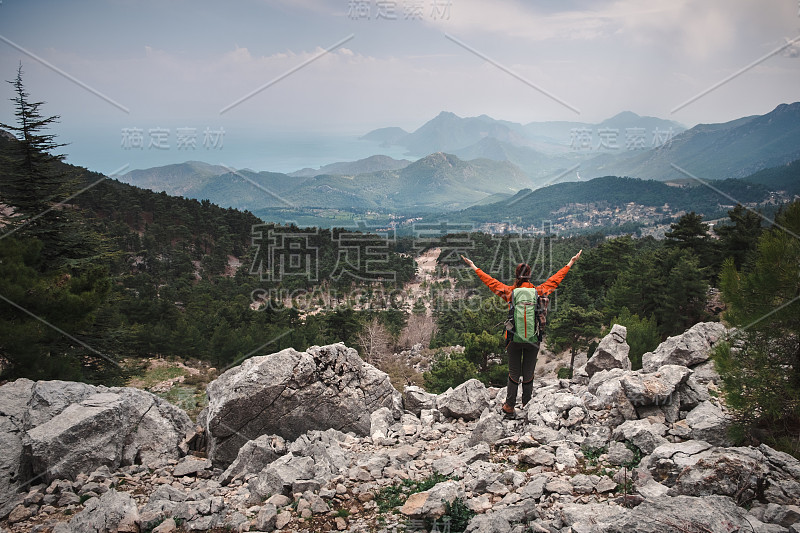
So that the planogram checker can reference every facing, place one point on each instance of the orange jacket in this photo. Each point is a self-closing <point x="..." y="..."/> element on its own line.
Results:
<point x="504" y="291"/>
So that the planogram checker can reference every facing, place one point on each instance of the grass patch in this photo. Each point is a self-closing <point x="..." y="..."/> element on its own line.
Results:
<point x="455" y="519"/>
<point x="394" y="496"/>
<point x="156" y="374"/>
<point x="637" y="456"/>
<point x="592" y="455"/>
<point x="189" y="398"/>
<point x="343" y="513"/>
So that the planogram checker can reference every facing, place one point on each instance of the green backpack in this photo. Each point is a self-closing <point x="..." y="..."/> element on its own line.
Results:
<point x="526" y="316"/>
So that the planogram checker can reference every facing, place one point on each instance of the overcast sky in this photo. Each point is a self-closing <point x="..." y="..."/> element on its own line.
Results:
<point x="173" y="64"/>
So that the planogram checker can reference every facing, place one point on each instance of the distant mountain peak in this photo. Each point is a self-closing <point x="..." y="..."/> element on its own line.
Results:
<point x="625" y="115"/>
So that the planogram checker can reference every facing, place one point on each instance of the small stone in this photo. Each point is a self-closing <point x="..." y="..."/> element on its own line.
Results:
<point x="279" y="500"/>
<point x="306" y="513"/>
<point x="605" y="484"/>
<point x="537" y="456"/>
<point x="167" y="526"/>
<point x="267" y="516"/>
<point x="282" y="520"/>
<point x="341" y="525"/>
<point x="20" y="513"/>
<point x="559" y="486"/>
<point x="68" y="498"/>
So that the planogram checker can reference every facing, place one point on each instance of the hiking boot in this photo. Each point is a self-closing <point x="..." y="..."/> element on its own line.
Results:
<point x="508" y="411"/>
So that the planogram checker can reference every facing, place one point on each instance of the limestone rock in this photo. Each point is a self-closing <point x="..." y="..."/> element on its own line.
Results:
<point x="430" y="503"/>
<point x="537" y="456"/>
<point x="281" y="474"/>
<point x="489" y="430"/>
<point x="379" y="423"/>
<point x="734" y="472"/>
<point x="466" y="401"/>
<point x="267" y="516"/>
<point x="709" y="423"/>
<point x="612" y="352"/>
<point x="415" y="399"/>
<point x="113" y="512"/>
<point x="657" y="388"/>
<point x="254" y="456"/>
<point x="288" y="393"/>
<point x="191" y="466"/>
<point x="14" y="398"/>
<point x="712" y="514"/>
<point x="646" y="436"/>
<point x="59" y="429"/>
<point x="687" y="349"/>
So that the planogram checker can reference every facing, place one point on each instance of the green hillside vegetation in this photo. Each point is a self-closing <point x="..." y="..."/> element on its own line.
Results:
<point x="656" y="288"/>
<point x="125" y="272"/>
<point x="373" y="163"/>
<point x="531" y="207"/>
<point x="436" y="182"/>
<point x="175" y="180"/>
<point x="783" y="178"/>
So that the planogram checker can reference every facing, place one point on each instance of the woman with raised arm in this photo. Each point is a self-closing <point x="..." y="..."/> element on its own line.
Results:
<point x="521" y="355"/>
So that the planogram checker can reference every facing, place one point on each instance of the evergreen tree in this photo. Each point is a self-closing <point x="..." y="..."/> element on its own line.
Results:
<point x="33" y="181"/>
<point x="448" y="370"/>
<point x="691" y="233"/>
<point x="643" y="335"/>
<point x="739" y="239"/>
<point x="573" y="329"/>
<point x="760" y="369"/>
<point x="46" y="318"/>
<point x="478" y="347"/>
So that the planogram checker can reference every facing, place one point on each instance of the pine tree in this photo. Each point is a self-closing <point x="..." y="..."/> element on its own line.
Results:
<point x="33" y="180"/>
<point x="760" y="370"/>
<point x="738" y="240"/>
<point x="573" y="329"/>
<point x="642" y="337"/>
<point x="691" y="233"/>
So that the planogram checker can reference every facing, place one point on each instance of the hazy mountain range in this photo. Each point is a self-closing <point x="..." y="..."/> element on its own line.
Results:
<point x="478" y="160"/>
<point x="436" y="182"/>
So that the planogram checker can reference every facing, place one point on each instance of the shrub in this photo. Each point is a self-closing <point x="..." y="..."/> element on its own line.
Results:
<point x="448" y="371"/>
<point x="760" y="368"/>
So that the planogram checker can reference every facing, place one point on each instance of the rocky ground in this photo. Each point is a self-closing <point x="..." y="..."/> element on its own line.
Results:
<point x="318" y="441"/>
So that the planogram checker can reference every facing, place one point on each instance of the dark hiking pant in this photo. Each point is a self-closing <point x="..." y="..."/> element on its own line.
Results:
<point x="521" y="364"/>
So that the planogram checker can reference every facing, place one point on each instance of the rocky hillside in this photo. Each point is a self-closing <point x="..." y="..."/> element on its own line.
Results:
<point x="320" y="441"/>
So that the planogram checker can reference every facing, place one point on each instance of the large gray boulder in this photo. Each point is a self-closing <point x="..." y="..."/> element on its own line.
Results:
<point x="289" y="393"/>
<point x="657" y="388"/>
<point x="58" y="429"/>
<point x="695" y="468"/>
<point x="612" y="352"/>
<point x="712" y="514"/>
<point x="466" y="401"/>
<point x="111" y="427"/>
<point x="709" y="423"/>
<point x="113" y="512"/>
<point x="740" y="473"/>
<point x="13" y="406"/>
<point x="415" y="399"/>
<point x="690" y="348"/>
<point x="254" y="457"/>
